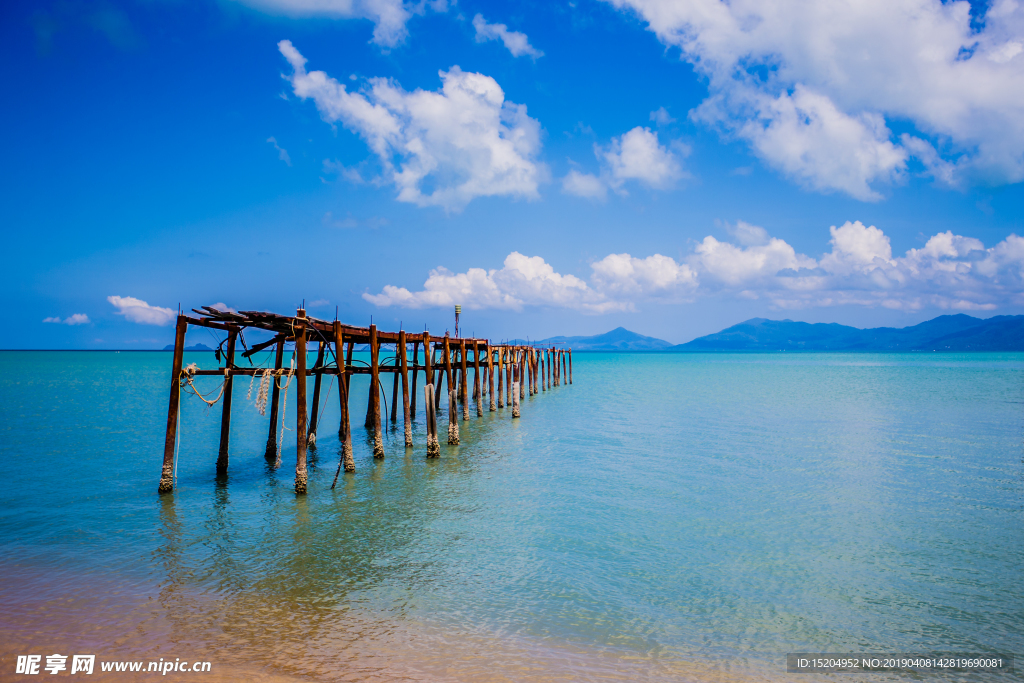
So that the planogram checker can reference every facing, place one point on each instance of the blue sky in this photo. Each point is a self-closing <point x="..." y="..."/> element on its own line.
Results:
<point x="556" y="168"/>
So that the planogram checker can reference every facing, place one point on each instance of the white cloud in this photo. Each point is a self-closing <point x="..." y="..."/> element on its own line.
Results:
<point x="616" y="281"/>
<point x="441" y="148"/>
<point x="138" y="311"/>
<point x="584" y="185"/>
<point x="951" y="272"/>
<point x="282" y="153"/>
<point x="806" y="137"/>
<point x="75" y="319"/>
<point x="637" y="155"/>
<point x="388" y="16"/>
<point x="517" y="43"/>
<point x="661" y="117"/>
<point x="223" y="307"/>
<point x="811" y="85"/>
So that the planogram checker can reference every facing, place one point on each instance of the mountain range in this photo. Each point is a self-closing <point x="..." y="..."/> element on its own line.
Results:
<point x="945" y="333"/>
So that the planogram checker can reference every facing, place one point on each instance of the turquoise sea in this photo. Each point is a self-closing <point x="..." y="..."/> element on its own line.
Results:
<point x="667" y="517"/>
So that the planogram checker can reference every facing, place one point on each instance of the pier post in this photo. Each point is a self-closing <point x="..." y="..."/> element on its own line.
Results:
<point x="271" y="454"/>
<point x="429" y="405"/>
<point x="478" y="389"/>
<point x="300" y="397"/>
<point x="570" y="366"/>
<point x="440" y="378"/>
<point x="490" y="376"/>
<point x="394" y="391"/>
<point x="522" y="374"/>
<point x="314" y="416"/>
<point x="515" y="399"/>
<point x="412" y="393"/>
<point x="225" y="415"/>
<point x="378" y="440"/>
<point x="564" y="376"/>
<point x="501" y="376"/>
<point x="406" y="416"/>
<point x="433" y="447"/>
<point x="345" y="431"/>
<point x="464" y="383"/>
<point x="509" y="366"/>
<point x="170" y="438"/>
<point x="453" y="419"/>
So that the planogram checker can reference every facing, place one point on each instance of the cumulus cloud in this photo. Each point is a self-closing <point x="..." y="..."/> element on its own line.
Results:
<point x="515" y="42"/>
<point x="138" y="311"/>
<point x="634" y="156"/>
<point x="616" y="281"/>
<point x="76" y="319"/>
<point x="584" y="185"/>
<point x="441" y="148"/>
<point x="813" y="86"/>
<point x="950" y="271"/>
<point x="282" y="153"/>
<point x="661" y="117"/>
<point x="389" y="17"/>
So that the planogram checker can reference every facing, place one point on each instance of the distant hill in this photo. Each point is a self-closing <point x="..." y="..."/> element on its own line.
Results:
<point x="194" y="347"/>
<point x="619" y="339"/>
<point x="945" y="333"/>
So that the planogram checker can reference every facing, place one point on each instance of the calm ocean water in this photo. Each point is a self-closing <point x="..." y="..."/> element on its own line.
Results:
<point x="667" y="517"/>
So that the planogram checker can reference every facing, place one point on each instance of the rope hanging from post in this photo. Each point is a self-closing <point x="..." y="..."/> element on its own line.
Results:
<point x="188" y="373"/>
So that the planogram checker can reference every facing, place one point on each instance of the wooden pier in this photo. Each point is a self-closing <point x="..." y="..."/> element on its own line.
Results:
<point x="517" y="369"/>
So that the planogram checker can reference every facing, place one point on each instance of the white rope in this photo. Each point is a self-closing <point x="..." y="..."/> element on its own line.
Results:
<point x="261" y="393"/>
<point x="189" y="372"/>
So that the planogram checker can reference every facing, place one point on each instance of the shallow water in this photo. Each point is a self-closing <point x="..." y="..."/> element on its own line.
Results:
<point x="666" y="517"/>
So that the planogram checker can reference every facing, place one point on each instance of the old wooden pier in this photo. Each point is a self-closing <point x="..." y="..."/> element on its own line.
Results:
<point x="515" y="368"/>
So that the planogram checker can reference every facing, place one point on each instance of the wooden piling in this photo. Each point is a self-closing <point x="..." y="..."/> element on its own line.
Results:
<point x="271" y="453"/>
<point x="453" y="421"/>
<point x="438" y="380"/>
<point x="508" y="377"/>
<point x="464" y="384"/>
<point x="314" y="416"/>
<point x="429" y="405"/>
<point x="394" y="391"/>
<point x="412" y="393"/>
<point x="501" y="377"/>
<point x="478" y="389"/>
<point x="490" y="376"/>
<point x="225" y="415"/>
<point x="170" y="438"/>
<point x="406" y="415"/>
<point x="300" y="397"/>
<point x="378" y="439"/>
<point x="433" y="447"/>
<point x="570" y="366"/>
<point x="522" y="374"/>
<point x="345" y="431"/>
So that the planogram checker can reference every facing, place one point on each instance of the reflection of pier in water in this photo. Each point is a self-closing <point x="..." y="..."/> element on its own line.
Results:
<point x="515" y="367"/>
